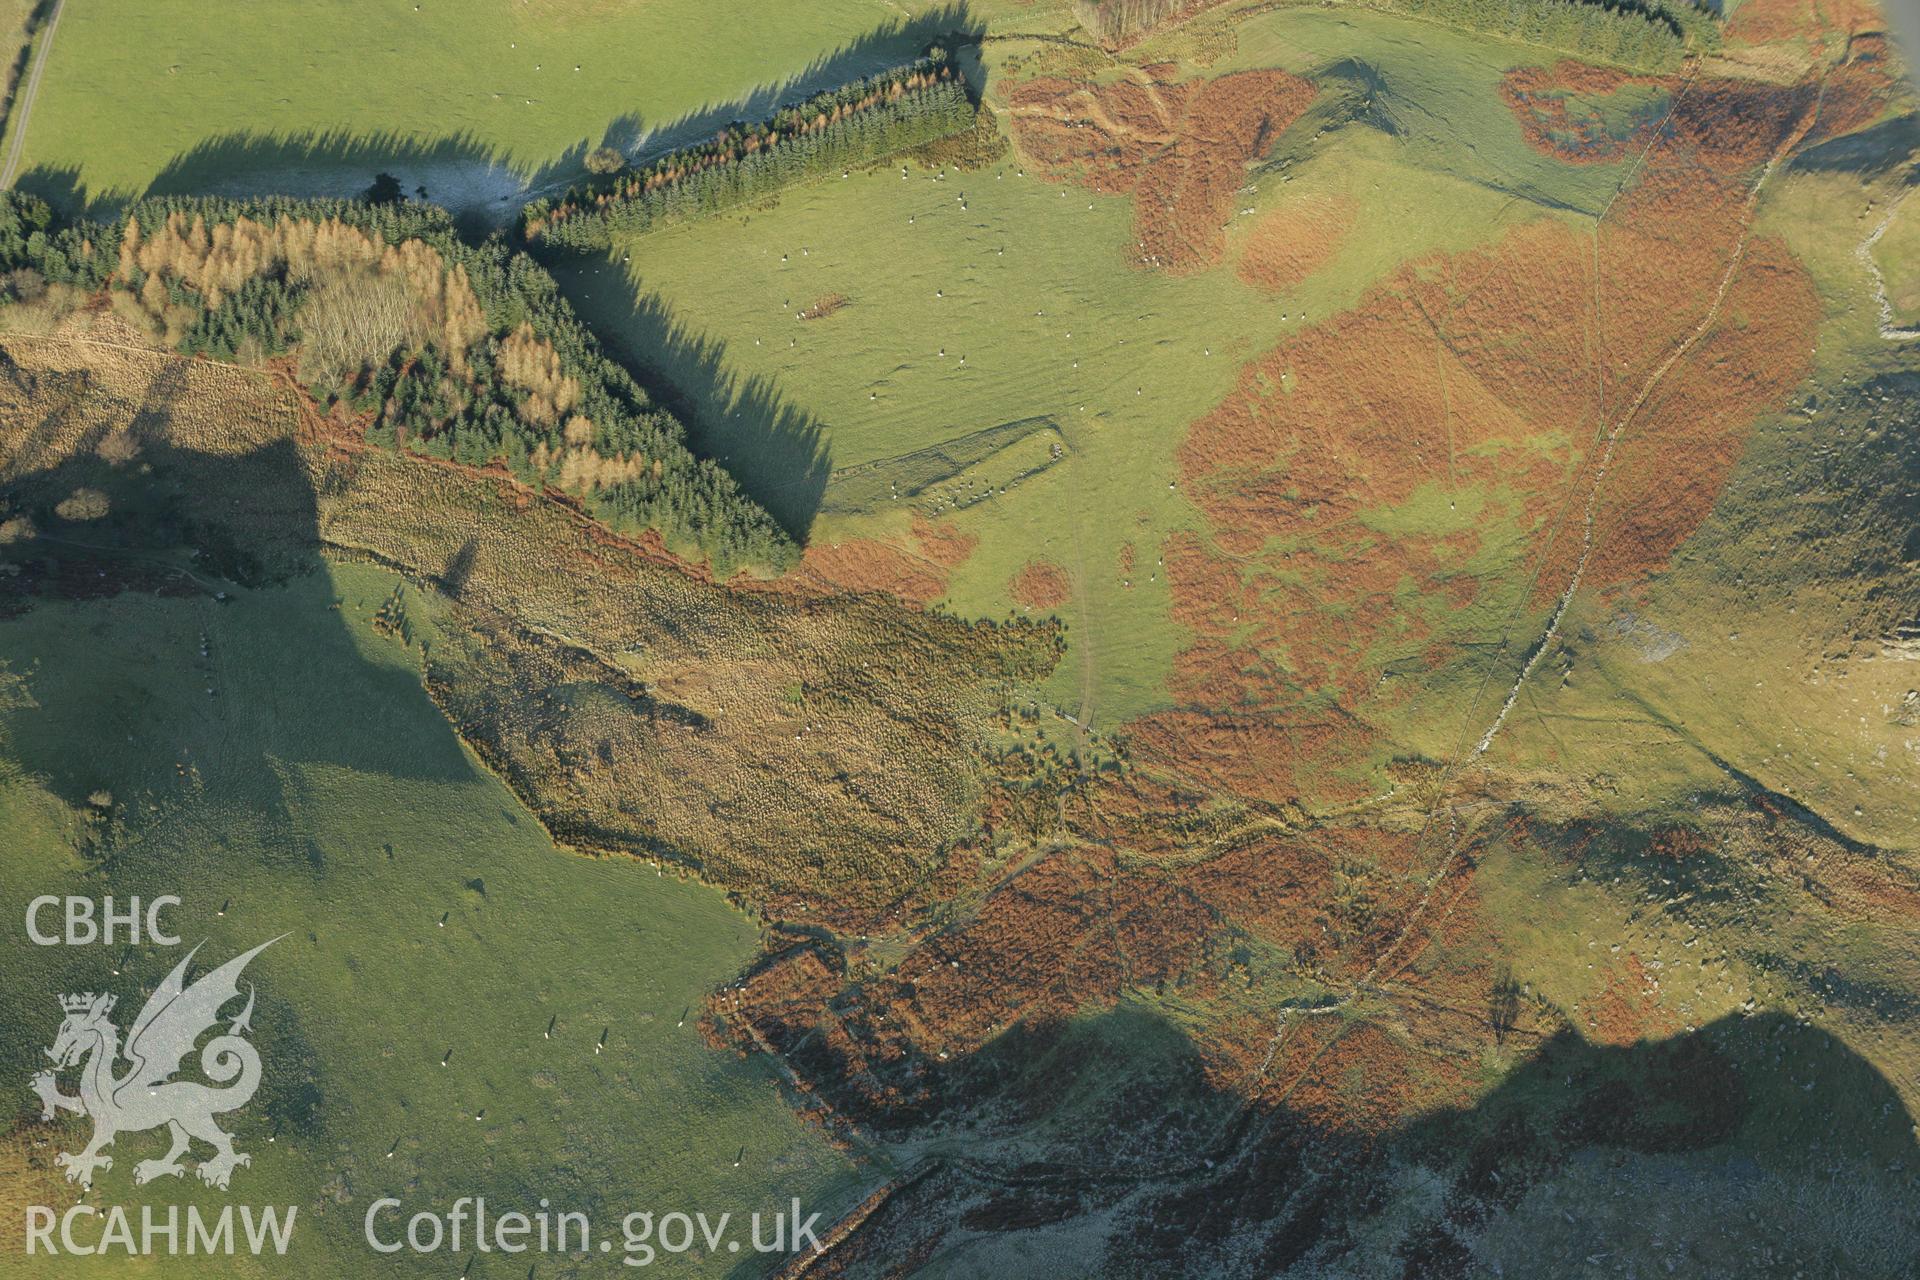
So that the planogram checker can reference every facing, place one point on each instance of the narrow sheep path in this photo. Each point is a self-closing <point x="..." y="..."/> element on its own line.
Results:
<point x="1889" y="330"/>
<point x="1382" y="970"/>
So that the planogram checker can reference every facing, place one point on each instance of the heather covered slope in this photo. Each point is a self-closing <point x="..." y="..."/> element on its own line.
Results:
<point x="1536" y="602"/>
<point x="1346" y="701"/>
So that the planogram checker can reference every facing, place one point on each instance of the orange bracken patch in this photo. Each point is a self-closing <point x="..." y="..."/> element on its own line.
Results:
<point x="868" y="564"/>
<point x="1179" y="149"/>
<point x="863" y="564"/>
<point x="1295" y="240"/>
<point x="1671" y="464"/>
<point x="1765" y="21"/>
<point x="1273" y="758"/>
<point x="1485" y="372"/>
<point x="1041" y="584"/>
<point x="943" y="542"/>
<point x="1629" y="1008"/>
<point x="1539" y="99"/>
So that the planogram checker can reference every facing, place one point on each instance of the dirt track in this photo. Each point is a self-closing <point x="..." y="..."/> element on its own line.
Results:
<point x="24" y="109"/>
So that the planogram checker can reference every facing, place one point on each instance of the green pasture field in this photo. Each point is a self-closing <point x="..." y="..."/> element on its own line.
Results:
<point x="259" y="96"/>
<point x="1026" y="287"/>
<point x="317" y="793"/>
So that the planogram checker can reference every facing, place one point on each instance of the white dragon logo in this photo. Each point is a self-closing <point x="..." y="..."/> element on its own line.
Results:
<point x="144" y="1097"/>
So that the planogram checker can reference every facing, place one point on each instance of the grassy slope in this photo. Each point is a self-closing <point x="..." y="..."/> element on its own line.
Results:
<point x="1898" y="254"/>
<point x="1005" y="279"/>
<point x="1759" y="658"/>
<point x="1761" y="645"/>
<point x="331" y="801"/>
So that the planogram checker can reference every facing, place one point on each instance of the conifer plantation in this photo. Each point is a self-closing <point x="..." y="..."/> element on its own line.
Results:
<point x="852" y="126"/>
<point x="451" y="350"/>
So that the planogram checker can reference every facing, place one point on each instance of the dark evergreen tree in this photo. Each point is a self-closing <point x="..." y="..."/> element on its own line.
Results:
<point x="854" y="125"/>
<point x="386" y="189"/>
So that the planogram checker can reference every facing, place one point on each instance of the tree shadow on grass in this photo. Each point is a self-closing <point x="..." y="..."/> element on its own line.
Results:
<point x="471" y="178"/>
<point x="777" y="451"/>
<point x="476" y="180"/>
<point x="59" y="186"/>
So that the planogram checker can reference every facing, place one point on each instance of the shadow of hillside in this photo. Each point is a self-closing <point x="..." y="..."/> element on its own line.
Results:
<point x="233" y="537"/>
<point x="478" y="181"/>
<point x="1047" y="1131"/>
<point x="1871" y="152"/>
<point x="776" y="451"/>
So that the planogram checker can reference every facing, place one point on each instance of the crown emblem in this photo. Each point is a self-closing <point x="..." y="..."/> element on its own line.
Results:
<point x="146" y="1095"/>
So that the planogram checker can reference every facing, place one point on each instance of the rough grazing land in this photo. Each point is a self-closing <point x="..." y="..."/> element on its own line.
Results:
<point x="1179" y="148"/>
<point x="1512" y="828"/>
